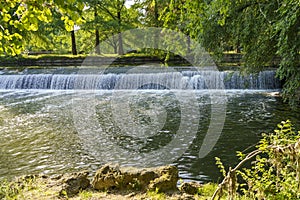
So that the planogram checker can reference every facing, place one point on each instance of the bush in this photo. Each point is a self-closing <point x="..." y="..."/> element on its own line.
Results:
<point x="275" y="171"/>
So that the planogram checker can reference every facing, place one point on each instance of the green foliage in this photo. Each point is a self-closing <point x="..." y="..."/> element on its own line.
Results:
<point x="156" y="195"/>
<point x="220" y="166"/>
<point x="108" y="17"/>
<point x="85" y="194"/>
<point x="13" y="190"/>
<point x="208" y="189"/>
<point x="26" y="22"/>
<point x="266" y="32"/>
<point x="275" y="173"/>
<point x="8" y="190"/>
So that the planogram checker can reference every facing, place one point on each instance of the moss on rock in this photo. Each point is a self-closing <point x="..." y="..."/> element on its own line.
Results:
<point x="113" y="177"/>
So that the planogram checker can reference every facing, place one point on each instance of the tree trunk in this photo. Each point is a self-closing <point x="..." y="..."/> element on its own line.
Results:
<point x="156" y="35"/>
<point x="188" y="44"/>
<point x="97" y="44"/>
<point x="238" y="48"/>
<point x="115" y="49"/>
<point x="121" y="51"/>
<point x="156" y="15"/>
<point x="74" y="51"/>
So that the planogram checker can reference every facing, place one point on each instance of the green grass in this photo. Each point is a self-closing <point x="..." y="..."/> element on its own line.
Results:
<point x="36" y="188"/>
<point x="156" y="195"/>
<point x="16" y="60"/>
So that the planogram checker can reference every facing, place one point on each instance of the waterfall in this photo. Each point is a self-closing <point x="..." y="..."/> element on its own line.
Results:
<point x="165" y="80"/>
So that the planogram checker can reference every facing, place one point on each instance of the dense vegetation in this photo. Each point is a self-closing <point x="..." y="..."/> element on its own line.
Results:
<point x="267" y="33"/>
<point x="275" y="171"/>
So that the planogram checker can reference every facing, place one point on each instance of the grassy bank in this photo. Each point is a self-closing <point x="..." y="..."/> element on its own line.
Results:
<point x="230" y="61"/>
<point x="88" y="60"/>
<point x="44" y="189"/>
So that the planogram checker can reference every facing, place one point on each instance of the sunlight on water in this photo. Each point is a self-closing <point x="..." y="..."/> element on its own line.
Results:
<point x="38" y="133"/>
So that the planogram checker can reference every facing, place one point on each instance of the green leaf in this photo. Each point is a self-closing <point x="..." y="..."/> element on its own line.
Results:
<point x="6" y="17"/>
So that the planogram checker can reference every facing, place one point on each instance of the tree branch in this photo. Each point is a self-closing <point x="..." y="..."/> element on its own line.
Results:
<point x="231" y="172"/>
<point x="107" y="11"/>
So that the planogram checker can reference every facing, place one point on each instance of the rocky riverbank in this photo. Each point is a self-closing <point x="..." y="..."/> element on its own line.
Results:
<point x="109" y="182"/>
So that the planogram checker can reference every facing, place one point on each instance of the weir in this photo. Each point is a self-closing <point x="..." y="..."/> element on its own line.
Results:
<point x="264" y="80"/>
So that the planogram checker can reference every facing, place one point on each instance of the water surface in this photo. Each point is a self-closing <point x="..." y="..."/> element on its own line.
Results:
<point x="53" y="131"/>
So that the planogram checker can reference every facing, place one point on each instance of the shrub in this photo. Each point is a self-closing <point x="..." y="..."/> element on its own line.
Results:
<point x="275" y="171"/>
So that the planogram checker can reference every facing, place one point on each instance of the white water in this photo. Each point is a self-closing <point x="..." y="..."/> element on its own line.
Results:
<point x="166" y="80"/>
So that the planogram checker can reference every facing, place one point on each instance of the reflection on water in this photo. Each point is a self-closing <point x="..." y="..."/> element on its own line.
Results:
<point x="39" y="134"/>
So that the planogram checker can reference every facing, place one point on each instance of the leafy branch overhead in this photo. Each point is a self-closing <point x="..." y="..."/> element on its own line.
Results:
<point x="22" y="20"/>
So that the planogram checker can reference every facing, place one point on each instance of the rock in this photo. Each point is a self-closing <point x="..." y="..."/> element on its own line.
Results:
<point x="106" y="177"/>
<point x="137" y="178"/>
<point x="167" y="181"/>
<point x="73" y="183"/>
<point x="128" y="178"/>
<point x="63" y="185"/>
<point x="190" y="188"/>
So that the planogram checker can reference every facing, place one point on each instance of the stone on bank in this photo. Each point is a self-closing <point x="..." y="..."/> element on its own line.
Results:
<point x="160" y="179"/>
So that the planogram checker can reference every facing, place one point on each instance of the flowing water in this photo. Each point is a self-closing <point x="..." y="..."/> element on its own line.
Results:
<point x="54" y="123"/>
<point x="168" y="78"/>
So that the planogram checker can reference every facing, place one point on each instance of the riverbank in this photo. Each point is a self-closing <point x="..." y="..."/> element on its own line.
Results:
<point x="109" y="182"/>
<point x="45" y="60"/>
<point x="79" y="60"/>
<point x="44" y="189"/>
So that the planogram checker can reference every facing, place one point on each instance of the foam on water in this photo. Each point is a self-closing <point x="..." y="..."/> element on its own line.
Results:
<point x="158" y="81"/>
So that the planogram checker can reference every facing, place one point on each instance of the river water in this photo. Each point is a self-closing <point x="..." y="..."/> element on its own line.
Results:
<point x="55" y="120"/>
<point x="56" y="131"/>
